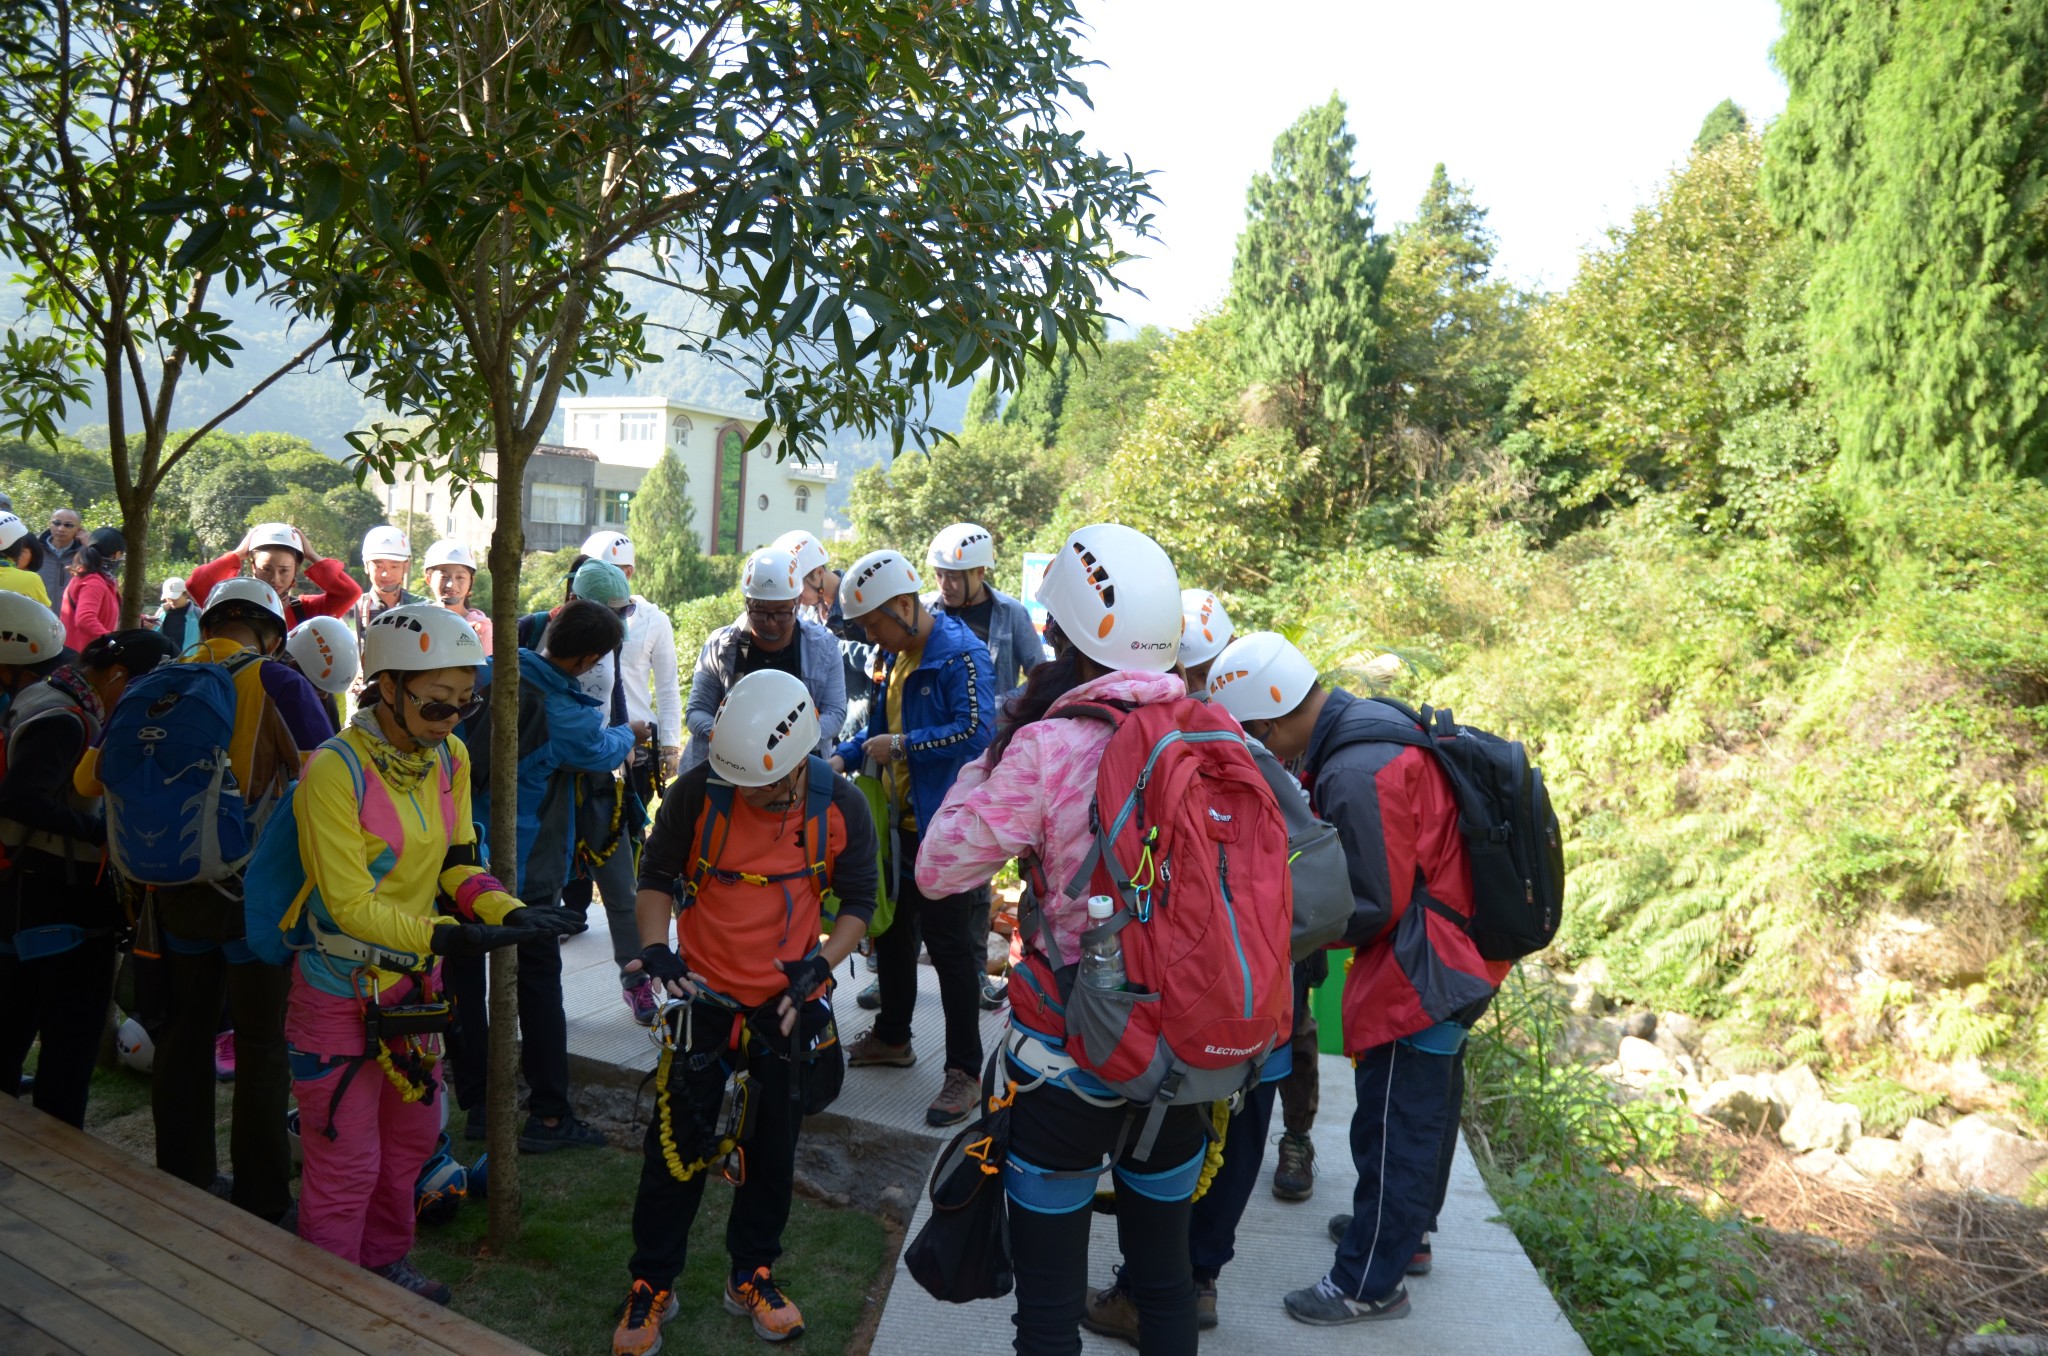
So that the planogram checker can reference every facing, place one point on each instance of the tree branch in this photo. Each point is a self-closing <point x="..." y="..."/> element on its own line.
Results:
<point x="191" y="439"/>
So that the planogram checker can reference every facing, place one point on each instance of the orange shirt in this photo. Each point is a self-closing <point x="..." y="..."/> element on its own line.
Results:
<point x="735" y="931"/>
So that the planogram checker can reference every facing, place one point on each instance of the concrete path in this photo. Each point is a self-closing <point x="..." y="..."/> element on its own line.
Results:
<point x="1483" y="1297"/>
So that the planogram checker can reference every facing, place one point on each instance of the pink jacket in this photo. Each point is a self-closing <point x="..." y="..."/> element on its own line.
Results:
<point x="1036" y="801"/>
<point x="91" y="608"/>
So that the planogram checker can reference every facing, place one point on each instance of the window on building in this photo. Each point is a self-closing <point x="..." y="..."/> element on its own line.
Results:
<point x="732" y="479"/>
<point x="639" y="428"/>
<point x="679" y="430"/>
<point x="430" y="502"/>
<point x="553" y="503"/>
<point x="617" y="507"/>
<point x="803" y="499"/>
<point x="585" y="429"/>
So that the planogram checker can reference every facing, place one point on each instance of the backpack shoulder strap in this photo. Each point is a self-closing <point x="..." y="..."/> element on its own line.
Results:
<point x="708" y="806"/>
<point x="818" y="806"/>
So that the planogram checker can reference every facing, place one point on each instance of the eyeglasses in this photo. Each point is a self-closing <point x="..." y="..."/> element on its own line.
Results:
<point x="626" y="611"/>
<point x="778" y="614"/>
<point x="439" y="711"/>
<point x="62" y="522"/>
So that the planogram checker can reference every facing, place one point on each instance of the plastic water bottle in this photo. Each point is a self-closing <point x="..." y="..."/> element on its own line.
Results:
<point x="1102" y="960"/>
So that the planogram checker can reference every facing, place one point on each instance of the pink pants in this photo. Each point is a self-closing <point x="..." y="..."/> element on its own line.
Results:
<point x="356" y="1189"/>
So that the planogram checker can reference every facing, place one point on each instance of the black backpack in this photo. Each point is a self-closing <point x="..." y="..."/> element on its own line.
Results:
<point x="1510" y="831"/>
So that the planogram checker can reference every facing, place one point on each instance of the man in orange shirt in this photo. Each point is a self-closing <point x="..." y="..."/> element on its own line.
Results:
<point x="741" y="856"/>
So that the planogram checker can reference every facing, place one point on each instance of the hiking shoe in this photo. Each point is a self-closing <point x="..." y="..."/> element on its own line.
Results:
<point x="538" y="1137"/>
<point x="640" y="1320"/>
<point x="476" y="1129"/>
<point x="1325" y="1306"/>
<point x="872" y="1050"/>
<point x="994" y="992"/>
<point x="222" y="1185"/>
<point x="640" y="1002"/>
<point x="1294" y="1176"/>
<point x="1205" y="1304"/>
<point x="956" y="1100"/>
<point x="1418" y="1265"/>
<point x="775" y="1318"/>
<point x="1111" y="1311"/>
<point x="874" y="963"/>
<point x="224" y="1057"/>
<point x="870" y="998"/>
<point x="402" y="1273"/>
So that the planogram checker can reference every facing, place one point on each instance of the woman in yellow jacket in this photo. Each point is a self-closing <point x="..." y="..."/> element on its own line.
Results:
<point x="383" y="816"/>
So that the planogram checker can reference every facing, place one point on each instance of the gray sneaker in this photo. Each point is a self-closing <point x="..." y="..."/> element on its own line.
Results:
<point x="1325" y="1306"/>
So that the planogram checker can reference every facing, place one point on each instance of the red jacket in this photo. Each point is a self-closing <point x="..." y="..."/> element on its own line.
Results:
<point x="1393" y="807"/>
<point x="91" y="608"/>
<point x="340" y="593"/>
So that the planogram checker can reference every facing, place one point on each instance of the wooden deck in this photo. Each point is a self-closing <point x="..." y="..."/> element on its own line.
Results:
<point x="101" y="1255"/>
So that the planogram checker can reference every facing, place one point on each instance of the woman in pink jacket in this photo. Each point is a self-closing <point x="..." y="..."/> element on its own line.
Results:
<point x="92" y="603"/>
<point x="1029" y="795"/>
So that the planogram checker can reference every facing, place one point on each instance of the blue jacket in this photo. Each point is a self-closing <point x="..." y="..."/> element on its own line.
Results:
<point x="949" y="713"/>
<point x="1013" y="642"/>
<point x="576" y="738"/>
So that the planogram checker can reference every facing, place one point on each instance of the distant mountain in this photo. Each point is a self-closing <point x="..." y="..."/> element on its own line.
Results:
<point x="322" y="406"/>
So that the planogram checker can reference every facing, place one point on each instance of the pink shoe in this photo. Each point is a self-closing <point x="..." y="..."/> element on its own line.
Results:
<point x="224" y="1057"/>
<point x="640" y="1002"/>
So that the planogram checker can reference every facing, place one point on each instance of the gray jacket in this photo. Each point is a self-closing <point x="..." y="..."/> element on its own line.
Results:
<point x="717" y="669"/>
<point x="1013" y="641"/>
<point x="56" y="567"/>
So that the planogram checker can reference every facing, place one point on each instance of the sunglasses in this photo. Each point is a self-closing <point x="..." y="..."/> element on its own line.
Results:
<point x="780" y="614"/>
<point x="439" y="711"/>
<point x="626" y="611"/>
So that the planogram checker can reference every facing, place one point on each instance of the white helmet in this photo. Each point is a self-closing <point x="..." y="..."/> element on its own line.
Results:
<point x="29" y="632"/>
<point x="771" y="576"/>
<point x="277" y="534"/>
<point x="12" y="530"/>
<point x="963" y="546"/>
<point x="874" y="579"/>
<point x="137" y="1051"/>
<point x="448" y="551"/>
<point x="808" y="550"/>
<point x="613" y="548"/>
<point x="1261" y="677"/>
<point x="253" y="592"/>
<point x="1116" y="596"/>
<point x="324" y="649"/>
<point x="419" y="637"/>
<point x="386" y="543"/>
<point x="767" y="724"/>
<point x="1206" y="627"/>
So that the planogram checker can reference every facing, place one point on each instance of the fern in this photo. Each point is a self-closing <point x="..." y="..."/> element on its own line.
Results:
<point x="1804" y="1047"/>
<point x="1887" y="1104"/>
<point x="1960" y="1028"/>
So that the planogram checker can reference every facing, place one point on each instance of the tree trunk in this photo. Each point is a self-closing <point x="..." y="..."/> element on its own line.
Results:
<point x="508" y="541"/>
<point x="135" y="569"/>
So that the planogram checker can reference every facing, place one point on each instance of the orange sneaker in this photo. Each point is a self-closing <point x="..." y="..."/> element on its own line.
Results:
<point x="775" y="1318"/>
<point x="639" y="1330"/>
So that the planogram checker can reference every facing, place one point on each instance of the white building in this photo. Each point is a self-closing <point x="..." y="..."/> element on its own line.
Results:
<point x="741" y="500"/>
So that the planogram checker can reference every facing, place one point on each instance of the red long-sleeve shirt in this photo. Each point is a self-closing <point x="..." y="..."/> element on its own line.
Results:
<point x="339" y="592"/>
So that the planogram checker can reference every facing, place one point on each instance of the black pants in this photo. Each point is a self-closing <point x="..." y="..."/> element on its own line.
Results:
<point x="664" y="1209"/>
<point x="1397" y="1141"/>
<point x="543" y="1028"/>
<point x="1054" y="1129"/>
<point x="1448" y="1154"/>
<point x="1212" y="1232"/>
<point x="181" y="1082"/>
<point x="945" y="927"/>
<point x="64" y="999"/>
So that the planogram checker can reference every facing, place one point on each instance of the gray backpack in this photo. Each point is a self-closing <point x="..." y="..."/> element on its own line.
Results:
<point x="1315" y="859"/>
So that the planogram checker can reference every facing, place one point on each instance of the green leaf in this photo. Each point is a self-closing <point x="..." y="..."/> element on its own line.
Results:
<point x="170" y="207"/>
<point x="323" y="192"/>
<point x="428" y="272"/>
<point x="205" y="236"/>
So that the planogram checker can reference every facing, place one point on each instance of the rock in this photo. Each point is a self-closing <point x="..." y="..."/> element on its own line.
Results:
<point x="1592" y="1039"/>
<point x="1917" y="1134"/>
<point x="1998" y="1344"/>
<point x="1976" y="1153"/>
<point x="1797" y="1086"/>
<point x="1641" y="1025"/>
<point x="1681" y="1028"/>
<point x="1594" y="971"/>
<point x="1902" y="947"/>
<point x="1640" y="1059"/>
<point x="1821" y="1125"/>
<point x="1882" y="1158"/>
<point x="1585" y="990"/>
<point x="1829" y="1166"/>
<point x="1744" y="1103"/>
<point x="895" y="1203"/>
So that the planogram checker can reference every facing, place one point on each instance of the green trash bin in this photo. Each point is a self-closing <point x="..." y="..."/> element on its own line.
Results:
<point x="1326" y="1000"/>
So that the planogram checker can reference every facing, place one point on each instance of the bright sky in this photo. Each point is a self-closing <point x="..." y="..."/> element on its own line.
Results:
<point x="1562" y="116"/>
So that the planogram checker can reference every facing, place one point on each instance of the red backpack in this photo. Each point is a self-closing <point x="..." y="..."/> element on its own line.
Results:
<point x="1189" y="841"/>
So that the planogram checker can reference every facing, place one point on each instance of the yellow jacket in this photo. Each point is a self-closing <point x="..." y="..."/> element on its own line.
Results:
<point x="17" y="580"/>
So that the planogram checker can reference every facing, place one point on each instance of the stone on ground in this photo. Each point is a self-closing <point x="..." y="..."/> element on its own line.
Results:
<point x="1976" y="1153"/>
<point x="1745" y="1103"/>
<point x="1821" y="1125"/>
<point x="1879" y="1158"/>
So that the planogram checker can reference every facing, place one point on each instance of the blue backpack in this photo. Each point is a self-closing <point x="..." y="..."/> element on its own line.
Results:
<point x="276" y="889"/>
<point x="175" y="813"/>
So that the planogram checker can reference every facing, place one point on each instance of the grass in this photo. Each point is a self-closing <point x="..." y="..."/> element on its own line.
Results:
<point x="559" y="1287"/>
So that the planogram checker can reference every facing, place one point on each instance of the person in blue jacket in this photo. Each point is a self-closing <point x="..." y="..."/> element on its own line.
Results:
<point x="563" y="731"/>
<point x="933" y="712"/>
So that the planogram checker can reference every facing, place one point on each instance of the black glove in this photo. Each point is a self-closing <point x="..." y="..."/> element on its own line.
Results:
<point x="475" y="939"/>
<point x="547" y="920"/>
<point x="662" y="963"/>
<point x="806" y="976"/>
